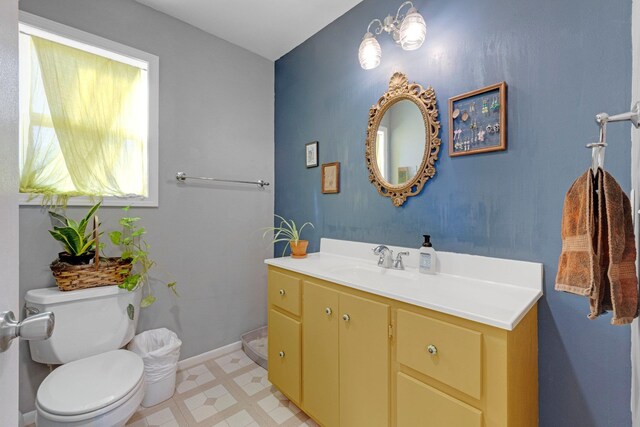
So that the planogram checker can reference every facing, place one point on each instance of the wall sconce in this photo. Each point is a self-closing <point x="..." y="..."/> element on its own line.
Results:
<point x="407" y="30"/>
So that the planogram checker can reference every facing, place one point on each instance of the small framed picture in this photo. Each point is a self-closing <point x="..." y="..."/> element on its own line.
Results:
<point x="478" y="121"/>
<point x="331" y="178"/>
<point x="311" y="154"/>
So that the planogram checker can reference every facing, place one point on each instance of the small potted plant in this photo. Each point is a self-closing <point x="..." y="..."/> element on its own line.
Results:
<point x="288" y="232"/>
<point x="77" y="242"/>
<point x="130" y="239"/>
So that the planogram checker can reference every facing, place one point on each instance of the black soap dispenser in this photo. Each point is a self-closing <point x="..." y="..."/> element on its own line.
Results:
<point x="427" y="256"/>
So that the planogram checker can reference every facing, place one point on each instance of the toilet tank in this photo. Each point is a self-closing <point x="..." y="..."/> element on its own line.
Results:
<point x="88" y="321"/>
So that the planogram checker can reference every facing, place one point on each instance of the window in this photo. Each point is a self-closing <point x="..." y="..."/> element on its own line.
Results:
<point x="88" y="117"/>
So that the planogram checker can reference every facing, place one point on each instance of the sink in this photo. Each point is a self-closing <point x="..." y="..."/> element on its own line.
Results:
<point x="368" y="273"/>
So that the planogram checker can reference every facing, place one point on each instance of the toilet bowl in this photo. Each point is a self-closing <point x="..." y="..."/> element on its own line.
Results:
<point x="97" y="384"/>
<point x="101" y="390"/>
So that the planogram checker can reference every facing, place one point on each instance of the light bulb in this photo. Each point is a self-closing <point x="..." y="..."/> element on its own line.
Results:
<point x="369" y="52"/>
<point x="412" y="30"/>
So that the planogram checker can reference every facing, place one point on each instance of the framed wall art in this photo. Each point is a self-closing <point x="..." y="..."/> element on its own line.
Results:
<point x="311" y="154"/>
<point x="331" y="178"/>
<point x="478" y="121"/>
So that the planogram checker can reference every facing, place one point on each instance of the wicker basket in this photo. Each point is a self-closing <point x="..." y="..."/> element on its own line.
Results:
<point x="103" y="272"/>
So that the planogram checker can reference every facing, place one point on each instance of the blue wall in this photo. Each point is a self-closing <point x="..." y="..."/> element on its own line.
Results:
<point x="564" y="61"/>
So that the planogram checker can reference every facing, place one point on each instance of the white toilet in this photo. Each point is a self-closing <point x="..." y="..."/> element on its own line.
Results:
<point x="98" y="384"/>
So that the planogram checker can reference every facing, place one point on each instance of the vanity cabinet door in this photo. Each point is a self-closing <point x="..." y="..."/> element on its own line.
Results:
<point x="284" y="354"/>
<point x="364" y="362"/>
<point x="320" y="308"/>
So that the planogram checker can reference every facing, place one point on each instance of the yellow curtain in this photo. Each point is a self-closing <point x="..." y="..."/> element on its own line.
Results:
<point x="87" y="129"/>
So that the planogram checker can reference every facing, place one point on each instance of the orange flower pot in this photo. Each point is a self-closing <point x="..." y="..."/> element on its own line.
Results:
<point x="299" y="250"/>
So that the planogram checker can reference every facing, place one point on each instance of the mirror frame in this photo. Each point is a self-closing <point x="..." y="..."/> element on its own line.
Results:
<point x="425" y="100"/>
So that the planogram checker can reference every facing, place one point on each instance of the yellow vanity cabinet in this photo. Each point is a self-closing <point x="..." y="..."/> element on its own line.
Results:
<point x="349" y="358"/>
<point x="345" y="358"/>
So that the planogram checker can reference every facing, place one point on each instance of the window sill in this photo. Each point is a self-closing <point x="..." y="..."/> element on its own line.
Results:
<point x="141" y="202"/>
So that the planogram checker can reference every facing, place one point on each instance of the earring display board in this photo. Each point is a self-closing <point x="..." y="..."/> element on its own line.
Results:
<point x="478" y="121"/>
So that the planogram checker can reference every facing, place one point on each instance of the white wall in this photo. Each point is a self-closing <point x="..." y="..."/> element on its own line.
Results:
<point x="635" y="182"/>
<point x="216" y="119"/>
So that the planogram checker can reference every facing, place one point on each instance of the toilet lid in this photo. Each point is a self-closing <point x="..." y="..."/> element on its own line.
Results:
<point x="90" y="384"/>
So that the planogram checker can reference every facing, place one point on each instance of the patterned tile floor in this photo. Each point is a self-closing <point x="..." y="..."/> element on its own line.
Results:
<point x="229" y="391"/>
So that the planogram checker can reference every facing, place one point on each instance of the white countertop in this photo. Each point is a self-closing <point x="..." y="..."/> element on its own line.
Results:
<point x="493" y="291"/>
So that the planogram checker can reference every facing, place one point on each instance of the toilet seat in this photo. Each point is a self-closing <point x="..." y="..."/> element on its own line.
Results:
<point x="92" y="387"/>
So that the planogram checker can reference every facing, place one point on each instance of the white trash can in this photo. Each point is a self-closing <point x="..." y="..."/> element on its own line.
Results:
<point x="160" y="351"/>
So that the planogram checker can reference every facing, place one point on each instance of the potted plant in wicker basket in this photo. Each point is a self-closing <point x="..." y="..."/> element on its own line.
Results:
<point x="74" y="268"/>
<point x="288" y="232"/>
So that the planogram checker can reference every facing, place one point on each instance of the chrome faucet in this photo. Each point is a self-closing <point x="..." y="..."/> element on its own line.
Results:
<point x="386" y="258"/>
<point x="397" y="263"/>
<point x="385" y="254"/>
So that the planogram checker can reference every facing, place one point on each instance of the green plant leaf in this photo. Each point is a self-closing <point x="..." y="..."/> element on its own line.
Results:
<point x="172" y="286"/>
<point x="139" y="232"/>
<point x="115" y="237"/>
<point x="126" y="208"/>
<point x="74" y="239"/>
<point x="87" y="246"/>
<point x="128" y="221"/>
<point x="82" y="226"/>
<point x="285" y="247"/>
<point x="130" y="282"/>
<point x="131" y="311"/>
<point x="61" y="219"/>
<point x="147" y="301"/>
<point x="59" y="237"/>
<point x="303" y="226"/>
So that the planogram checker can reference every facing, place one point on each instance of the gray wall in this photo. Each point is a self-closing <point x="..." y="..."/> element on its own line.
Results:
<point x="564" y="61"/>
<point x="216" y="119"/>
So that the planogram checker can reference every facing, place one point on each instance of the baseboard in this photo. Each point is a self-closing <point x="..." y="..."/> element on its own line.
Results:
<point x="29" y="418"/>
<point x="196" y="360"/>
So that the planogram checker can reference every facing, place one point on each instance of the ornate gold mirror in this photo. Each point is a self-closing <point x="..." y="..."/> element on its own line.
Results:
<point x="402" y="139"/>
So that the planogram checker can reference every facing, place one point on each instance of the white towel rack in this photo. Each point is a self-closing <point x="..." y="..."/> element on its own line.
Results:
<point x="598" y="148"/>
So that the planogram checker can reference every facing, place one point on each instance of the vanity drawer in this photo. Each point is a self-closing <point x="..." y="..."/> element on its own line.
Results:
<point x="455" y="358"/>
<point x="284" y="354"/>
<point x="421" y="405"/>
<point x="284" y="291"/>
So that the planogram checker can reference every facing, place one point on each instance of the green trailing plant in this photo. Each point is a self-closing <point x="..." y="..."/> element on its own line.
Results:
<point x="287" y="231"/>
<point x="130" y="239"/>
<point x="73" y="235"/>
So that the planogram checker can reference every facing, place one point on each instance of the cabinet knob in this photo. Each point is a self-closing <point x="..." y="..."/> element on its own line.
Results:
<point x="346" y="317"/>
<point x="328" y="311"/>
<point x="282" y="292"/>
<point x="432" y="349"/>
<point x="281" y="354"/>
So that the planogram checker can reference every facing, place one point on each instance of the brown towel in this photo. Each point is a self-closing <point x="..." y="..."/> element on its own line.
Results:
<point x="578" y="269"/>
<point x="598" y="247"/>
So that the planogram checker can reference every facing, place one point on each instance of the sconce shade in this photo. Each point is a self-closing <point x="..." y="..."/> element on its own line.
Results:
<point x="413" y="30"/>
<point x="369" y="52"/>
